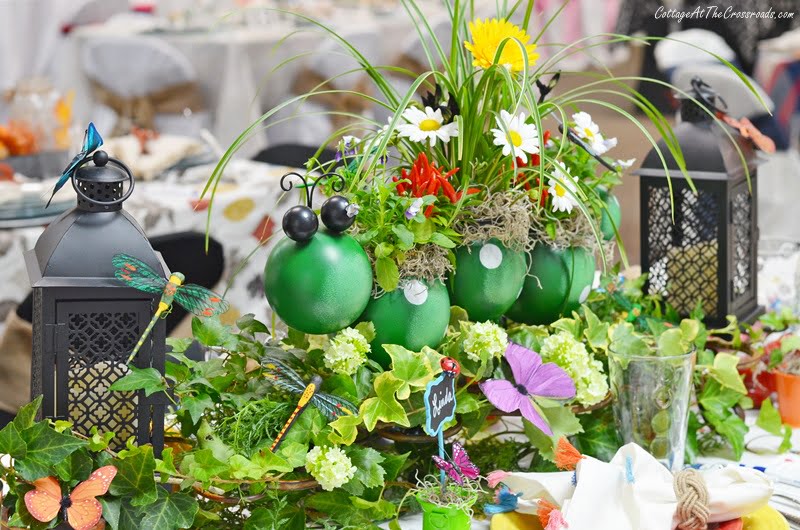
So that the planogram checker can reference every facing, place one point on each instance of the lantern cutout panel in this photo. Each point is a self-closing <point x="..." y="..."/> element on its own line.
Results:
<point x="706" y="254"/>
<point x="85" y="322"/>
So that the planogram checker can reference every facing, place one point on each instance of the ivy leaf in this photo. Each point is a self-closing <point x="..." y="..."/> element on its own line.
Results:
<point x="731" y="427"/>
<point x="363" y="381"/>
<point x="212" y="332"/>
<point x="11" y="442"/>
<point x="27" y="414"/>
<point x="170" y="511"/>
<point x="670" y="343"/>
<point x="166" y="464"/>
<point x="725" y="371"/>
<point x="413" y="369"/>
<point x="393" y="464"/>
<point x="178" y="345"/>
<point x="111" y="509"/>
<point x="692" y="450"/>
<point x="77" y="466"/>
<point x="369" y="473"/>
<point x="294" y="453"/>
<point x="306" y="427"/>
<point x="384" y="406"/>
<point x="380" y="509"/>
<point x="387" y="274"/>
<point x="573" y="326"/>
<point x="529" y="336"/>
<point x="45" y="448"/>
<point x="596" y="331"/>
<point x="249" y="324"/>
<point x="197" y="405"/>
<point x="268" y="462"/>
<point x="367" y="329"/>
<point x="130" y="516"/>
<point x="345" y="430"/>
<point x="770" y="420"/>
<point x="405" y="237"/>
<point x="467" y="403"/>
<point x="600" y="437"/>
<point x="147" y="379"/>
<point x="290" y="518"/>
<point x="202" y="465"/>
<point x="562" y="421"/>
<point x="135" y="479"/>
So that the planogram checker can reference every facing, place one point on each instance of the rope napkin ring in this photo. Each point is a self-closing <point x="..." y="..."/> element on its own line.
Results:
<point x="692" y="494"/>
<point x="141" y="110"/>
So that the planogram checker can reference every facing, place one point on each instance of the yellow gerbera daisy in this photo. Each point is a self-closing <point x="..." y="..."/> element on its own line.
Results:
<point x="487" y="35"/>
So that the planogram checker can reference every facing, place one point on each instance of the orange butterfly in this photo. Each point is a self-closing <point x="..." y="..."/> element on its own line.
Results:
<point x="748" y="130"/>
<point x="81" y="508"/>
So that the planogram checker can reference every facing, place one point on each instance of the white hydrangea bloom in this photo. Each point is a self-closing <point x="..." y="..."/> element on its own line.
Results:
<point x="346" y="352"/>
<point x="330" y="466"/>
<point x="570" y="354"/>
<point x="485" y="337"/>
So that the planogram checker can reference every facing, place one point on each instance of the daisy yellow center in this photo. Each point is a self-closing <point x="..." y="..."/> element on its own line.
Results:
<point x="560" y="191"/>
<point x="429" y="124"/>
<point x="516" y="138"/>
<point x="588" y="132"/>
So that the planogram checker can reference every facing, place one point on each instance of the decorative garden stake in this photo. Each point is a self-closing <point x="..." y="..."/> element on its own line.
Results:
<point x="85" y="323"/>
<point x="286" y="378"/>
<point x="440" y="404"/>
<point x="701" y="247"/>
<point x="318" y="281"/>
<point x="193" y="298"/>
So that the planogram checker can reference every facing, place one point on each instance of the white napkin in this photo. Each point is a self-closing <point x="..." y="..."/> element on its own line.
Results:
<point x="634" y="492"/>
<point x="163" y="153"/>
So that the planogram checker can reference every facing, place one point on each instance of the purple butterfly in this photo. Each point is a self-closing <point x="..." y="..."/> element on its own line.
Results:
<point x="532" y="378"/>
<point x="459" y="466"/>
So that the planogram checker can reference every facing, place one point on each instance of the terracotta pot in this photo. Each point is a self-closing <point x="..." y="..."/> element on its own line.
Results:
<point x="760" y="383"/>
<point x="788" y="397"/>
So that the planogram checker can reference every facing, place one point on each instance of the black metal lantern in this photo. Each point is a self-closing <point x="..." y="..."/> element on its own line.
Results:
<point x="707" y="252"/>
<point x="85" y="322"/>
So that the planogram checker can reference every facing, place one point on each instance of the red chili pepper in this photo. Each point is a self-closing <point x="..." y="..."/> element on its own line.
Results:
<point x="449" y="191"/>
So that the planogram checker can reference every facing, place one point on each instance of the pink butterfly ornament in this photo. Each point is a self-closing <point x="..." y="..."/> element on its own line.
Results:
<point x="532" y="379"/>
<point x="459" y="467"/>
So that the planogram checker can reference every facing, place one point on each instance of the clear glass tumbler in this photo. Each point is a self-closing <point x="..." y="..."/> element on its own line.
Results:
<point x="651" y="402"/>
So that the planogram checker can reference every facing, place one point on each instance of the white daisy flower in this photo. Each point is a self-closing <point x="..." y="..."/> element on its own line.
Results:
<point x="516" y="136"/>
<point x="625" y="164"/>
<point x="588" y="130"/>
<point x="562" y="189"/>
<point x="428" y="125"/>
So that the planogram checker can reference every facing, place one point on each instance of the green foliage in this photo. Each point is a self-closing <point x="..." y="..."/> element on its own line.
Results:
<point x="770" y="420"/>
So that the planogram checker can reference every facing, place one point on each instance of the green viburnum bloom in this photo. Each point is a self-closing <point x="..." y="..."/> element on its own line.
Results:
<point x="570" y="354"/>
<point x="484" y="340"/>
<point x="330" y="466"/>
<point x="346" y="351"/>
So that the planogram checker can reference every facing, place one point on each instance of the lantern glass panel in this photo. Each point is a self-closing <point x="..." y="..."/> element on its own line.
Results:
<point x="683" y="255"/>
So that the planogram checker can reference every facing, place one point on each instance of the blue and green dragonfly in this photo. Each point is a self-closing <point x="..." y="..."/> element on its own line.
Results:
<point x="193" y="298"/>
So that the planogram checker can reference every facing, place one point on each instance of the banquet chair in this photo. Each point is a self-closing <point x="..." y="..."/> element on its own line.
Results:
<point x="143" y="81"/>
<point x="94" y="12"/>
<point x="184" y="252"/>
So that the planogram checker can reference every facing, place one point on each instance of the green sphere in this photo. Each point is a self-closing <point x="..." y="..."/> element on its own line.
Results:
<point x="414" y="315"/>
<point x="319" y="286"/>
<point x="611" y="217"/>
<point x="487" y="280"/>
<point x="566" y="278"/>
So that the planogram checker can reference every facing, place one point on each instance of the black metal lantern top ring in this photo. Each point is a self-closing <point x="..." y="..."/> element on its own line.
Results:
<point x="100" y="186"/>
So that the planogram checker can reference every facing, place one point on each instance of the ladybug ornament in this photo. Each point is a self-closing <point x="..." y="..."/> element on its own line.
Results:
<point x="450" y="365"/>
<point x="318" y="281"/>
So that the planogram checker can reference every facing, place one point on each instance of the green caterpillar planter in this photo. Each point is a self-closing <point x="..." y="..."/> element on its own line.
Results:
<point x="611" y="217"/>
<point x="414" y="315"/>
<point x="557" y="283"/>
<point x="487" y="280"/>
<point x="318" y="282"/>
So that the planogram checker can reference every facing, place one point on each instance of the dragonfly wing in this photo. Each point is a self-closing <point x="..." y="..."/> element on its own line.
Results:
<point x="333" y="406"/>
<point x="138" y="274"/>
<point x="200" y="301"/>
<point x="283" y="375"/>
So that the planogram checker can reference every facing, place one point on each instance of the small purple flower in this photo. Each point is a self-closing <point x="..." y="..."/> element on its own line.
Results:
<point x="414" y="209"/>
<point x="347" y="147"/>
<point x="352" y="209"/>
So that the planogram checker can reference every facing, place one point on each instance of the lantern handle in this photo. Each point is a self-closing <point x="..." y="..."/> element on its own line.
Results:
<point x="85" y="197"/>
<point x="310" y="184"/>
<point x="704" y="92"/>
